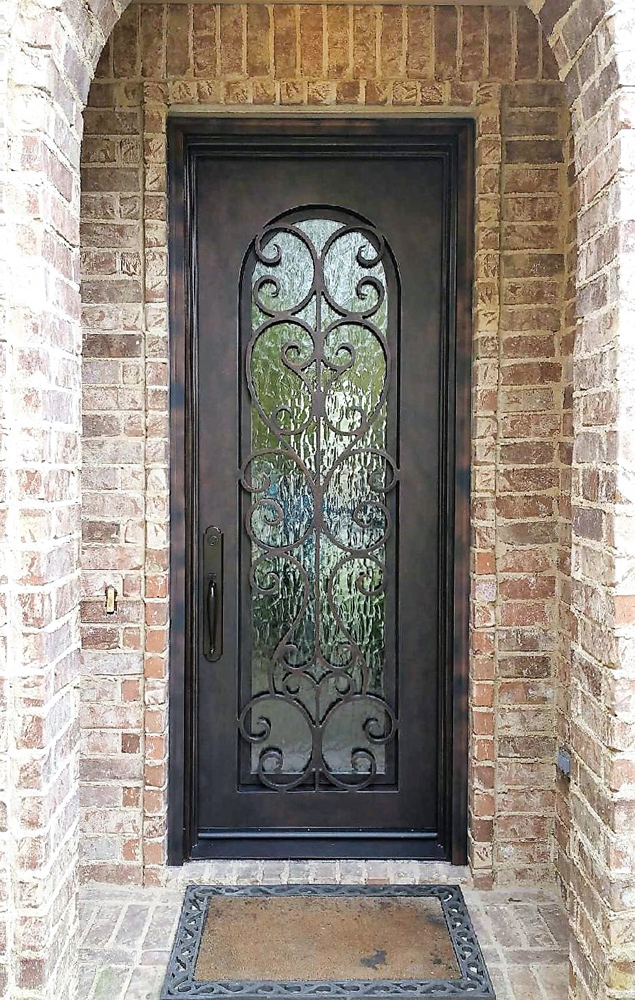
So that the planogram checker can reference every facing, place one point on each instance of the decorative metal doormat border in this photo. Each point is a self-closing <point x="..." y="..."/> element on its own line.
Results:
<point x="179" y="981"/>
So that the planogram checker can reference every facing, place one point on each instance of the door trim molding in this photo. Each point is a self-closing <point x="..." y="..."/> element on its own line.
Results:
<point x="186" y="135"/>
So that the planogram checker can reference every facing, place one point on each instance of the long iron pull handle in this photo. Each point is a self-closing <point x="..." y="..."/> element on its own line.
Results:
<point x="211" y="615"/>
<point x="213" y="593"/>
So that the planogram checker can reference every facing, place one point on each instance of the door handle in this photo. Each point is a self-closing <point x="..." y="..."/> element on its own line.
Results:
<point x="211" y="614"/>
<point x="213" y="599"/>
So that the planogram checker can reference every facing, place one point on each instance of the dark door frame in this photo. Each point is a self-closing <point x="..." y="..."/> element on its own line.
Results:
<point x="187" y="137"/>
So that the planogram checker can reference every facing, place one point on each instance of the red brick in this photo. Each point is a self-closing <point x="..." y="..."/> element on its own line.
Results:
<point x="419" y="43"/>
<point x="473" y="43"/>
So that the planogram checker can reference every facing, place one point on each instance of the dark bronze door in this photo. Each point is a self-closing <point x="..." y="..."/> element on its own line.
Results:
<point x="320" y="274"/>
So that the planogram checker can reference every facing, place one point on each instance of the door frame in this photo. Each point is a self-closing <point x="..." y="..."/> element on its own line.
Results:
<point x="187" y="136"/>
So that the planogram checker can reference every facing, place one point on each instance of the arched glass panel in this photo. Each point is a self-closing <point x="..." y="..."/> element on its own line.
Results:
<point x="319" y="313"/>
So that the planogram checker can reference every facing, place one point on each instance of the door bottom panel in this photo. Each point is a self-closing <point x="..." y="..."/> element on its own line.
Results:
<point x="339" y="845"/>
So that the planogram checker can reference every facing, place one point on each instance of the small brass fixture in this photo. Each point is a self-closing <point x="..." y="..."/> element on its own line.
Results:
<point x="111" y="600"/>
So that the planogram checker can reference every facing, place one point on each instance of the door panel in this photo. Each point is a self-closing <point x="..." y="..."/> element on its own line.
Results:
<point x="321" y="273"/>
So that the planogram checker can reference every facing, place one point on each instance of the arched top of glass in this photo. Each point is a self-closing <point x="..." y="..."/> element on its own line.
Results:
<point x="321" y="253"/>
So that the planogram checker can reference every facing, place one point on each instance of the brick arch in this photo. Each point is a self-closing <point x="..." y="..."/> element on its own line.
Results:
<point x="80" y="31"/>
<point x="590" y="41"/>
<point x="69" y="39"/>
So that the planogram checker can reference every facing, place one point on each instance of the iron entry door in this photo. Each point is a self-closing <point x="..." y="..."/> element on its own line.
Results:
<point x="321" y="273"/>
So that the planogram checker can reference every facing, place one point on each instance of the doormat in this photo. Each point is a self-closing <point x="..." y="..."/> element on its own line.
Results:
<point x="292" y="941"/>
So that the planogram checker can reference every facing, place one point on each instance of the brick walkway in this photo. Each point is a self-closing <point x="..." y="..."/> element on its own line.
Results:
<point x="127" y="933"/>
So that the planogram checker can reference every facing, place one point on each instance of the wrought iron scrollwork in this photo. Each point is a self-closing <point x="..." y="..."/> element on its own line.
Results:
<point x="317" y="481"/>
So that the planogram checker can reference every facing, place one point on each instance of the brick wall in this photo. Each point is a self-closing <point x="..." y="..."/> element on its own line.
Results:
<point x="491" y="65"/>
<point x="5" y="877"/>
<point x="566" y="629"/>
<point x="44" y="84"/>
<point x="595" y="50"/>
<point x="532" y="355"/>
<point x="603" y="794"/>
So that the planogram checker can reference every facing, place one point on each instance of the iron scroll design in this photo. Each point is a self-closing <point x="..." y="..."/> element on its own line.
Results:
<point x="316" y="486"/>
<point x="180" y="981"/>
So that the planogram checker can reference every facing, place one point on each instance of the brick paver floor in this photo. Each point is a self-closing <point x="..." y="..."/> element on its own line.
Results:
<point x="126" y="934"/>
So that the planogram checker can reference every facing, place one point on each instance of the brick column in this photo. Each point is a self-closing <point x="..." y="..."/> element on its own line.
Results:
<point x="529" y="409"/>
<point x="594" y="42"/>
<point x="48" y="62"/>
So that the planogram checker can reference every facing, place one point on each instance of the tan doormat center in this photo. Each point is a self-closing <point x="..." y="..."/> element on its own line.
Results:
<point x="325" y="938"/>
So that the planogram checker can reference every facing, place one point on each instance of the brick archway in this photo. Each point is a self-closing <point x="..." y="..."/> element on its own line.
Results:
<point x="51" y="55"/>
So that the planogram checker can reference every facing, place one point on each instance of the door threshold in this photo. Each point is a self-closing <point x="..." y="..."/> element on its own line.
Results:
<point x="317" y="872"/>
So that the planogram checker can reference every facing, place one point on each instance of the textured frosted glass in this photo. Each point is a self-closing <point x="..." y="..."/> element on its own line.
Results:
<point x="318" y="474"/>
